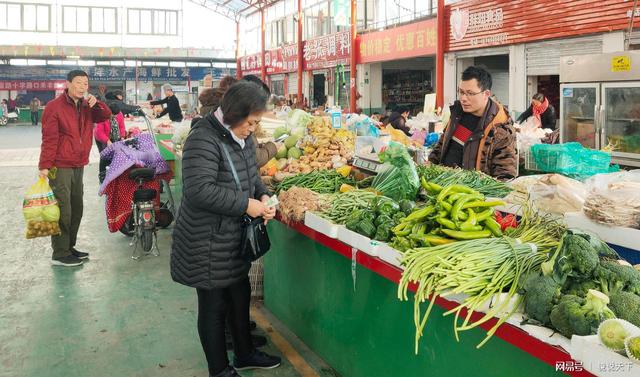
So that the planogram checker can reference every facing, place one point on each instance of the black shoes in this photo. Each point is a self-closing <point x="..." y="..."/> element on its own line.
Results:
<point x="229" y="372"/>
<point x="258" y="360"/>
<point x="79" y="254"/>
<point x="257" y="340"/>
<point x="68" y="261"/>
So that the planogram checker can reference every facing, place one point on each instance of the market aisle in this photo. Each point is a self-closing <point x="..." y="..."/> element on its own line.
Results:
<point x="111" y="317"/>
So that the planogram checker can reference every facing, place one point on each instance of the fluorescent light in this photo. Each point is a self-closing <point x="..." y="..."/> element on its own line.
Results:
<point x="76" y="57"/>
<point x="162" y="64"/>
<point x="177" y="64"/>
<point x="36" y="62"/>
<point x="117" y="62"/>
<point x="130" y="63"/>
<point x="18" y="61"/>
<point x="86" y="63"/>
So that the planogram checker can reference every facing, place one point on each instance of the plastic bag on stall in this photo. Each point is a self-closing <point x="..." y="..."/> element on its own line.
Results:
<point x="614" y="199"/>
<point x="399" y="178"/>
<point x="40" y="210"/>
<point x="554" y="193"/>
<point x="571" y="159"/>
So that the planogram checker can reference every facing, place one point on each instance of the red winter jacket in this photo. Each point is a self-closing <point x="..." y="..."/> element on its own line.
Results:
<point x="67" y="132"/>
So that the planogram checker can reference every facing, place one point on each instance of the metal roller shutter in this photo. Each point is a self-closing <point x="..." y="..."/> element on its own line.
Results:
<point x="543" y="58"/>
<point x="293" y="83"/>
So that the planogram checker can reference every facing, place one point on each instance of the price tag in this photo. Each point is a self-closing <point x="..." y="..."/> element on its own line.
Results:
<point x="354" y="253"/>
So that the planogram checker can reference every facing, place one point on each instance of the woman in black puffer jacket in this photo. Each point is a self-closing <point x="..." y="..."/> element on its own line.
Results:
<point x="206" y="240"/>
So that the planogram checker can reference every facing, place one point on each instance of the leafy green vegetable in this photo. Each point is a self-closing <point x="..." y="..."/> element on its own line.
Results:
<point x="383" y="233"/>
<point x="399" y="179"/>
<point x="407" y="206"/>
<point x="366" y="228"/>
<point x="383" y="219"/>
<point x="574" y="257"/>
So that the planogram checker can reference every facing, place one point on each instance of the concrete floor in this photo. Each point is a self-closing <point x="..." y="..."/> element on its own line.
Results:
<point x="111" y="317"/>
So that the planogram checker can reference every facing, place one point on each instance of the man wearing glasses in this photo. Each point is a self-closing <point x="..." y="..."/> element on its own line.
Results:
<point x="479" y="134"/>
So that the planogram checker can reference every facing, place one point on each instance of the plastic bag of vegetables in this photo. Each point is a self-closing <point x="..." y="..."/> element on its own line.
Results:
<point x="40" y="210"/>
<point x="399" y="179"/>
<point x="298" y="118"/>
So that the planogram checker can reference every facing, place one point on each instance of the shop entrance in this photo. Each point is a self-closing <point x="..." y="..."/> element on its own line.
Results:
<point x="498" y="67"/>
<point x="406" y="82"/>
<point x="319" y="86"/>
<point x="548" y="85"/>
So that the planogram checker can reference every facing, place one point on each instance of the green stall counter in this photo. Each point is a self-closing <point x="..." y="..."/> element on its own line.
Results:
<point x="25" y="115"/>
<point x="362" y="330"/>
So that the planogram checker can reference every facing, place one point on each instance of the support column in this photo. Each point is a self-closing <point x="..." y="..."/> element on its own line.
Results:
<point x="263" y="67"/>
<point x="300" y="52"/>
<point x="238" y="67"/>
<point x="352" y="71"/>
<point x="442" y="29"/>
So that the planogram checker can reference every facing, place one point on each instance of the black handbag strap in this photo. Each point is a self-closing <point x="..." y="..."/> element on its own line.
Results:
<point x="233" y="168"/>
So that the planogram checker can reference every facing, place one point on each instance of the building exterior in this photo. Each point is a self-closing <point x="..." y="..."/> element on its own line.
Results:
<point x="44" y="39"/>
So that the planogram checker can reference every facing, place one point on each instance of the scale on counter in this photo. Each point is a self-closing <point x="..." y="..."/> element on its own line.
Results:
<point x="370" y="164"/>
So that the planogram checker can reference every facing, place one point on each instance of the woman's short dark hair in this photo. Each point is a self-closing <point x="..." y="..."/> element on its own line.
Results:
<point x="538" y="97"/>
<point x="75" y="73"/>
<point x="256" y="80"/>
<point x="242" y="99"/>
<point x="480" y="74"/>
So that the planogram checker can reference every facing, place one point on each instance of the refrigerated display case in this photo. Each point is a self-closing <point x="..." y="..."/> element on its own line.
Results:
<point x="600" y="103"/>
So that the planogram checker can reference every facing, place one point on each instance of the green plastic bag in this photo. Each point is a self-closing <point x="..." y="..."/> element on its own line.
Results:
<point x="399" y="178"/>
<point x="572" y="159"/>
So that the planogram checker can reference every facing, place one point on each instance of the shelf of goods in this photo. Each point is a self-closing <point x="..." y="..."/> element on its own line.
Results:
<point x="343" y="304"/>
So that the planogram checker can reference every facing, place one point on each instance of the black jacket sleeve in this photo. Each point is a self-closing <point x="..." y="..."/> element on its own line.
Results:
<point x="524" y="116"/>
<point x="160" y="102"/>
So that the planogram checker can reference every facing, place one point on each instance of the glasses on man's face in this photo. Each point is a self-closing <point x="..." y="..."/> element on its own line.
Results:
<point x="468" y="94"/>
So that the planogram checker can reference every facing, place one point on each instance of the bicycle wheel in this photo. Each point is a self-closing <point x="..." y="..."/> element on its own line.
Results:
<point x="146" y="239"/>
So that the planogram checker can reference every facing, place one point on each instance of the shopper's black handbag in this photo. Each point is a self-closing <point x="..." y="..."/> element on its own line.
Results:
<point x="255" y="239"/>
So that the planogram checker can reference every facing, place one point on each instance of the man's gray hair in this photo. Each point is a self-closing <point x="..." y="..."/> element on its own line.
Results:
<point x="167" y="87"/>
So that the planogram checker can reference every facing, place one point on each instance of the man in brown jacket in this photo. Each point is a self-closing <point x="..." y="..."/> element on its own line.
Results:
<point x="479" y="134"/>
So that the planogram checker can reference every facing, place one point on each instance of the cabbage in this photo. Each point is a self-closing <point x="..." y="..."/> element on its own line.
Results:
<point x="32" y="213"/>
<point x="51" y="213"/>
<point x="298" y="118"/>
<point x="279" y="132"/>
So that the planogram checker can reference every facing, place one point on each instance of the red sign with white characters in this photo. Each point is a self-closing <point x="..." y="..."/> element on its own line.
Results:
<point x="327" y="51"/>
<point x="33" y="85"/>
<point x="280" y="60"/>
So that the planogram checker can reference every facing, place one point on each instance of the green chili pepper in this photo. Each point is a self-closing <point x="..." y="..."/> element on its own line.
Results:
<point x="446" y="223"/>
<point x="455" y="212"/>
<point x="459" y="235"/>
<point x="493" y="226"/>
<point x="435" y="240"/>
<point x="477" y="204"/>
<point x="420" y="214"/>
<point x="484" y="215"/>
<point x="446" y="206"/>
<point x="455" y="189"/>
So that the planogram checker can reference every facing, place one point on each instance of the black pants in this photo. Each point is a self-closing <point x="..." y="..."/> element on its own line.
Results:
<point x="102" y="170"/>
<point x="34" y="118"/>
<point x="216" y="307"/>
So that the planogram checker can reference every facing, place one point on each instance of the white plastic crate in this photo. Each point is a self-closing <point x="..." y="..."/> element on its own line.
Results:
<point x="390" y="255"/>
<point x="360" y="242"/>
<point x="321" y="225"/>
<point x="529" y="161"/>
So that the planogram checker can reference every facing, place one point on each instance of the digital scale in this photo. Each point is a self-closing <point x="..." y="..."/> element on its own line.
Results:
<point x="369" y="164"/>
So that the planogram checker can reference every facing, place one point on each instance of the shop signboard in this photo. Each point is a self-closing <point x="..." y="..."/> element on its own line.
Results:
<point x="277" y="61"/>
<point x="33" y="85"/>
<point x="479" y="24"/>
<point x="111" y="73"/>
<point x="327" y="51"/>
<point x="413" y="40"/>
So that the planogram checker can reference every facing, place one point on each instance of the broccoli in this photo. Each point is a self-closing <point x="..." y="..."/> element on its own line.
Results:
<point x="574" y="257"/>
<point x="626" y="305"/>
<point x="541" y="294"/>
<point x="601" y="247"/>
<point x="580" y="316"/>
<point x="579" y="287"/>
<point x="614" y="277"/>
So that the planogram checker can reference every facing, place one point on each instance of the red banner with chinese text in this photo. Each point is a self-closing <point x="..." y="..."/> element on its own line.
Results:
<point x="327" y="51"/>
<point x="413" y="40"/>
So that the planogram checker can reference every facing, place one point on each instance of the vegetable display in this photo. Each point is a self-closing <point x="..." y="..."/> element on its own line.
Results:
<point x="321" y="181"/>
<point x="296" y="201"/>
<point x="399" y="179"/>
<point x="455" y="213"/>
<point x="344" y="204"/>
<point x="376" y="224"/>
<point x="480" y="268"/>
<point x="445" y="176"/>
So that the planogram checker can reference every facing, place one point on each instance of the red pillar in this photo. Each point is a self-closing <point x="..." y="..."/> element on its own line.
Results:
<point x="238" y="67"/>
<point x="263" y="68"/>
<point x="353" y="73"/>
<point x="442" y="29"/>
<point x="300" y="52"/>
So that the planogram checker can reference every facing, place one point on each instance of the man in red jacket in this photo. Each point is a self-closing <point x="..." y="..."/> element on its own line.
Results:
<point x="67" y="131"/>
